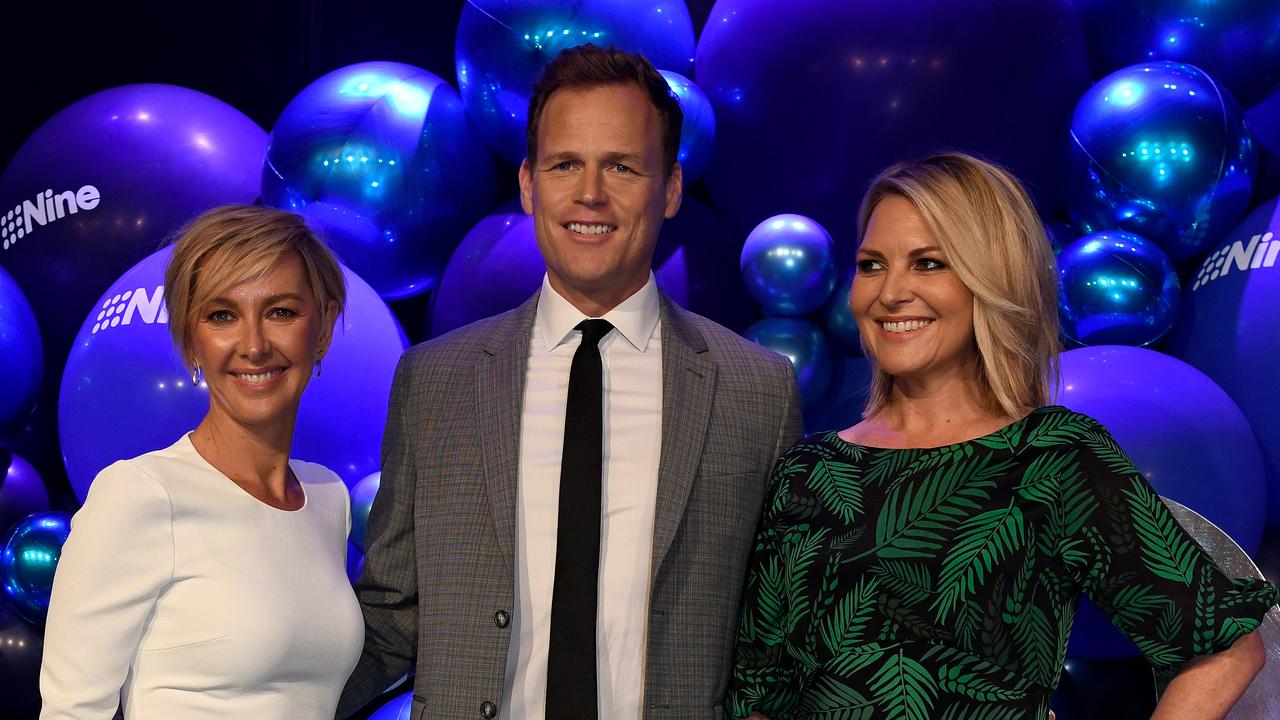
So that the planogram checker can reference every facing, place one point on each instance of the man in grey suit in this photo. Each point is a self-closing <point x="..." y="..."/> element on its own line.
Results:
<point x="490" y="527"/>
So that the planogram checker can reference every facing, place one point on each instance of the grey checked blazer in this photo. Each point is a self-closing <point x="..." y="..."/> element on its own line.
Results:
<point x="439" y="576"/>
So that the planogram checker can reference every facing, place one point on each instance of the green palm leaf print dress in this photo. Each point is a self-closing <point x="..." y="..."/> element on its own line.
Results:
<point x="941" y="583"/>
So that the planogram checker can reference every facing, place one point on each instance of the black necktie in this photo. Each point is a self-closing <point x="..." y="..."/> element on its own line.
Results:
<point x="571" y="658"/>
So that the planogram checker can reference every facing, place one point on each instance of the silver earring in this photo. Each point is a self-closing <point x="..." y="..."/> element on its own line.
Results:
<point x="196" y="376"/>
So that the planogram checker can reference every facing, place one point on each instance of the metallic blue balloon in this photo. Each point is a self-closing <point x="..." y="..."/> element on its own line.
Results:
<point x="1161" y="150"/>
<point x="814" y="97"/>
<point x="1116" y="289"/>
<point x="1237" y="42"/>
<point x="362" y="495"/>
<point x="398" y="708"/>
<point x="21" y="357"/>
<point x="803" y="343"/>
<point x="381" y="157"/>
<point x="28" y="561"/>
<point x="788" y="263"/>
<point x="502" y="45"/>
<point x="846" y="397"/>
<point x="838" y="319"/>
<point x="698" y="133"/>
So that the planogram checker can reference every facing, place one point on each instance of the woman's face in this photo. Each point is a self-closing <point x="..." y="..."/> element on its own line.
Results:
<point x="915" y="316"/>
<point x="257" y="343"/>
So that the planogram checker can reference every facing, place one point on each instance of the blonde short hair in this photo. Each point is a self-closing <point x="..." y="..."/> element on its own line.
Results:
<point x="988" y="228"/>
<point x="228" y="245"/>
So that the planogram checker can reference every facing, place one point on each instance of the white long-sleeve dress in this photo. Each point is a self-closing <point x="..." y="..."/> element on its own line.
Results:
<point x="180" y="595"/>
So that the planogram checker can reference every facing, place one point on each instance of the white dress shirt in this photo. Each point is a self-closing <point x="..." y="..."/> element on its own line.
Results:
<point x="632" y="367"/>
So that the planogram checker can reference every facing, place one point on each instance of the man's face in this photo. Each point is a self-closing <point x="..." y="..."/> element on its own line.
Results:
<point x="598" y="192"/>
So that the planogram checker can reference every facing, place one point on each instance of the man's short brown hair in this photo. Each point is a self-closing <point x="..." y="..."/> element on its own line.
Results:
<point x="588" y="66"/>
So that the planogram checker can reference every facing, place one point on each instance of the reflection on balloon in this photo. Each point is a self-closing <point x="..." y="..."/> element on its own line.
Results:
<point x="698" y="133"/>
<point x="502" y="46"/>
<point x="29" y="559"/>
<point x="362" y="495"/>
<point x="801" y="342"/>
<point x="1161" y="150"/>
<point x="21" y="357"/>
<point x="125" y="391"/>
<point x="788" y="264"/>
<point x="814" y="97"/>
<point x="1229" y="328"/>
<point x="496" y="267"/>
<point x="21" y="490"/>
<point x="1184" y="434"/>
<point x="126" y="167"/>
<point x="1116" y="288"/>
<point x="381" y="157"/>
<point x="838" y="317"/>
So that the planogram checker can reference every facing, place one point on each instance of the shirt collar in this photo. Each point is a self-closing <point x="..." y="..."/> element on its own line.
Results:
<point x="634" y="318"/>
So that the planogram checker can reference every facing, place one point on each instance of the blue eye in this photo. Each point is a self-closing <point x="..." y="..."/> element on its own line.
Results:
<point x="619" y="167"/>
<point x="563" y="166"/>
<point x="282" y="313"/>
<point x="219" y="316"/>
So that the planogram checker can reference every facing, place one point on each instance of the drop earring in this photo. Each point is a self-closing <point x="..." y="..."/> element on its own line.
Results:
<point x="196" y="375"/>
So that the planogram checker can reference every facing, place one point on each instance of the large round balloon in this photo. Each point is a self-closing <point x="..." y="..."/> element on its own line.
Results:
<point x="1161" y="150"/>
<point x="803" y="343"/>
<point x="29" y="558"/>
<point x="698" y="133"/>
<point x="788" y="263"/>
<point x="1116" y="288"/>
<point x="398" y="708"/>
<point x="125" y="391"/>
<point x="1182" y="431"/>
<point x="101" y="184"/>
<point x="496" y="267"/>
<point x="21" y="357"/>
<point x="814" y="97"/>
<point x="362" y="495"/>
<point x="1229" y="328"/>
<point x="21" y="490"/>
<point x="1263" y="120"/>
<point x="381" y="156"/>
<point x="1237" y="42"/>
<point x="502" y="46"/>
<point x="21" y="647"/>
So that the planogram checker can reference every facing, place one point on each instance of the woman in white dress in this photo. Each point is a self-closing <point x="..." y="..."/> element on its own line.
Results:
<point x="206" y="580"/>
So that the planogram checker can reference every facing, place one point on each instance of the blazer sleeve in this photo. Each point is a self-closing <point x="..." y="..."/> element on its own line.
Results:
<point x="116" y="562"/>
<point x="388" y="586"/>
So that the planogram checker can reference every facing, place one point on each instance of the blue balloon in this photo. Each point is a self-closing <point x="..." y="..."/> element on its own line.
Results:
<point x="1116" y="289"/>
<point x="398" y="708"/>
<point x="380" y="155"/>
<point x="1237" y="42"/>
<point x="814" y="97"/>
<point x="496" y="267"/>
<point x="698" y="132"/>
<point x="801" y="342"/>
<point x="694" y="250"/>
<point x="21" y="357"/>
<point x="28" y="561"/>
<point x="102" y="183"/>
<point x="1263" y="120"/>
<point x="788" y="263"/>
<point x="362" y="495"/>
<point x="1183" y="432"/>
<point x="502" y="46"/>
<point x="1161" y="150"/>
<point x="838" y="318"/>
<point x="1229" y="329"/>
<point x="125" y="390"/>
<point x="21" y="490"/>
<point x="846" y="397"/>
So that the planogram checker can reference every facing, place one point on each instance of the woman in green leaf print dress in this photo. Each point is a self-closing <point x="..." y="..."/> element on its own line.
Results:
<point x="926" y="562"/>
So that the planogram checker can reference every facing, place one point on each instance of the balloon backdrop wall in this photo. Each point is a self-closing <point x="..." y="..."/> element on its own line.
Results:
<point x="21" y="356"/>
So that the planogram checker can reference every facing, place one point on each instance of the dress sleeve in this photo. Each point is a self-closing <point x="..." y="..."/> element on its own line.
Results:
<point x="116" y="562"/>
<point x="1142" y="570"/>
<point x="766" y="679"/>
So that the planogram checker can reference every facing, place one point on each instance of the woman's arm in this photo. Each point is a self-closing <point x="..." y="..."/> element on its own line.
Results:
<point x="1209" y="685"/>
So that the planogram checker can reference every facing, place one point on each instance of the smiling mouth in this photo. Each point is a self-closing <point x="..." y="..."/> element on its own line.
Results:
<point x="258" y="378"/>
<point x="590" y="228"/>
<point x="905" y="325"/>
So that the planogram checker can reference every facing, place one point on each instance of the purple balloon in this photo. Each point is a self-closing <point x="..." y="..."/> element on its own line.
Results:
<point x="21" y="357"/>
<point x="1183" y="432"/>
<point x="1230" y="330"/>
<point x="21" y="490"/>
<point x="125" y="391"/>
<point x="398" y="708"/>
<point x="100" y="185"/>
<point x="836" y="91"/>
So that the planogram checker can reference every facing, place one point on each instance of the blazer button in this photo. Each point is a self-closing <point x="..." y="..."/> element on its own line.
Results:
<point x="488" y="710"/>
<point x="502" y="618"/>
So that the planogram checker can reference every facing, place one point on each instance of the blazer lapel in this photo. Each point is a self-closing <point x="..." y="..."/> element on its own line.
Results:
<point x="688" y="385"/>
<point x="500" y="372"/>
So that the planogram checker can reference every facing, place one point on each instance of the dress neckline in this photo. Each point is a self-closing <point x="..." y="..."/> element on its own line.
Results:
<point x="306" y="496"/>
<point x="834" y="435"/>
